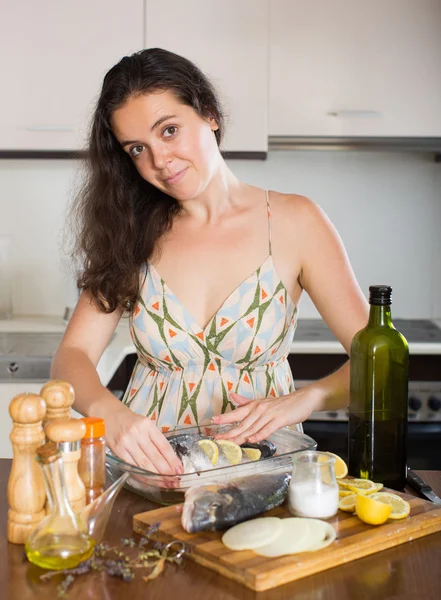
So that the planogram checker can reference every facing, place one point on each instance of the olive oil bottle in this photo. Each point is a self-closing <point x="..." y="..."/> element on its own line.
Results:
<point x="59" y="540"/>
<point x="378" y="396"/>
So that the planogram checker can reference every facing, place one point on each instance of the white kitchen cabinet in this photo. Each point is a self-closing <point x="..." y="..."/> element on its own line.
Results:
<point x="228" y="40"/>
<point x="53" y="56"/>
<point x="355" y="68"/>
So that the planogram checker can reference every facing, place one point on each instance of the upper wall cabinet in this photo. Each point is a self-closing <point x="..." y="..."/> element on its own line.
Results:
<point x="53" y="56"/>
<point x="228" y="40"/>
<point x="355" y="68"/>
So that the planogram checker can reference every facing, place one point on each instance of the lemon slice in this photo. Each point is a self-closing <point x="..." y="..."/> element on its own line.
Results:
<point x="343" y="493"/>
<point x="400" y="508"/>
<point x="232" y="451"/>
<point x="211" y="449"/>
<point x="361" y="486"/>
<point x="371" y="511"/>
<point x="340" y="467"/>
<point x="252" y="453"/>
<point x="348" y="503"/>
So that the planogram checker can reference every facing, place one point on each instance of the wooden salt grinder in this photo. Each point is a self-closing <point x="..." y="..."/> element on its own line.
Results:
<point x="67" y="433"/>
<point x="59" y="396"/>
<point x="26" y="489"/>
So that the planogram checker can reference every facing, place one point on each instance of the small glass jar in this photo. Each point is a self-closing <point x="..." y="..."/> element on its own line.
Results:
<point x="313" y="490"/>
<point x="92" y="464"/>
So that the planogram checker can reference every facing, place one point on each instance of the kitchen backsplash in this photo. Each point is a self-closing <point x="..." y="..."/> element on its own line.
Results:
<point x="386" y="207"/>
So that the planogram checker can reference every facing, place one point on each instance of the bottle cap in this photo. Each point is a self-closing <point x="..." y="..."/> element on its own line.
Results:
<point x="95" y="427"/>
<point x="380" y="295"/>
<point x="48" y="453"/>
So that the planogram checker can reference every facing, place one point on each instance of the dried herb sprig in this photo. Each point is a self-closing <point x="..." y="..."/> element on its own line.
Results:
<point x="116" y="562"/>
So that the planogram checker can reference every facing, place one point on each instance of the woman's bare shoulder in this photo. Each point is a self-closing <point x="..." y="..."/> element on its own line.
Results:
<point x="296" y="211"/>
<point x="293" y="203"/>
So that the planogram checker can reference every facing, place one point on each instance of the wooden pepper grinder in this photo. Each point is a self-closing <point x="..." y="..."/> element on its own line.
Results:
<point x="59" y="396"/>
<point x="67" y="433"/>
<point x="26" y="490"/>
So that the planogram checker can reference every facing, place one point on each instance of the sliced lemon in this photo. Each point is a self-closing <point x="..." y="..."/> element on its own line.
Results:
<point x="343" y="493"/>
<point x="232" y="451"/>
<point x="361" y="486"/>
<point x="340" y="467"/>
<point x="400" y="509"/>
<point x="348" y="503"/>
<point x="252" y="453"/>
<point x="371" y="511"/>
<point x="211" y="449"/>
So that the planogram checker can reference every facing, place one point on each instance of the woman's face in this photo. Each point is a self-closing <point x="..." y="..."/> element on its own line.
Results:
<point x="171" y="145"/>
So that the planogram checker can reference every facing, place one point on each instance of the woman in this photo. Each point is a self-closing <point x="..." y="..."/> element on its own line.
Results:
<point x="210" y="269"/>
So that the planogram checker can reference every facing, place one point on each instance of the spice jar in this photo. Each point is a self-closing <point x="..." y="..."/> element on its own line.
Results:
<point x="313" y="490"/>
<point x="92" y="464"/>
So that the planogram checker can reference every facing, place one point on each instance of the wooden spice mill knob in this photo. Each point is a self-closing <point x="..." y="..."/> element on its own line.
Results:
<point x="26" y="490"/>
<point x="68" y="433"/>
<point x="59" y="396"/>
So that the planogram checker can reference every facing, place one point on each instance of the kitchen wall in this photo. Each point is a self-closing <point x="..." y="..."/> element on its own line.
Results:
<point x="386" y="207"/>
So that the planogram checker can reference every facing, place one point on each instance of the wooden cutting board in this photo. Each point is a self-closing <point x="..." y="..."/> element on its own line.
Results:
<point x="354" y="540"/>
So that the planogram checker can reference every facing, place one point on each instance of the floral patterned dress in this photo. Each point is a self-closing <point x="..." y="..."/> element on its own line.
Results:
<point x="184" y="374"/>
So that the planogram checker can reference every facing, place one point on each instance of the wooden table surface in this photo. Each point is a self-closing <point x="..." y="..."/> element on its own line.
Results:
<point x="411" y="571"/>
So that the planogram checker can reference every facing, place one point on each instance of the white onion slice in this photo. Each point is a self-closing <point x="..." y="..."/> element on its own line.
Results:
<point x="325" y="530"/>
<point x="252" y="534"/>
<point x="293" y="538"/>
<point x="299" y="535"/>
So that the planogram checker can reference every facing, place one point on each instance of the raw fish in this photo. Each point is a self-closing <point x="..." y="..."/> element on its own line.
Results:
<point x="194" y="459"/>
<point x="214" y="507"/>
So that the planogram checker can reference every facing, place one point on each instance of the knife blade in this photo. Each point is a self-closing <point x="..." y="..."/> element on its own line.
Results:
<point x="422" y="487"/>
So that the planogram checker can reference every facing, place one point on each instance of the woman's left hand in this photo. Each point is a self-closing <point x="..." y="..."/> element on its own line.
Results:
<point x="260" y="418"/>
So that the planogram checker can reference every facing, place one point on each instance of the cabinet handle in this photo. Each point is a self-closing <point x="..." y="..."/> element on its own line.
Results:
<point x="359" y="114"/>
<point x="50" y="128"/>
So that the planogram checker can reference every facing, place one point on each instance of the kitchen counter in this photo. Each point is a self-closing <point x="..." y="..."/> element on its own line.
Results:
<point x="408" y="572"/>
<point x="119" y="347"/>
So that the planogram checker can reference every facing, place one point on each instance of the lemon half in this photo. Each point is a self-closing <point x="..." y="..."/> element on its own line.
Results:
<point x="371" y="511"/>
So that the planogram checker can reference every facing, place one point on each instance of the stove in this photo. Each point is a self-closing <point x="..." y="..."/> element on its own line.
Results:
<point x="329" y="429"/>
<point x="416" y="331"/>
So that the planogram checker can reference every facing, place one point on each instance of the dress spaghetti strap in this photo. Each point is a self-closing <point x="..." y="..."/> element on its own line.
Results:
<point x="269" y="221"/>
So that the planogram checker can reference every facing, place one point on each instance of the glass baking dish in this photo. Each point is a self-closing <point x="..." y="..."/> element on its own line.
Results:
<point x="170" y="489"/>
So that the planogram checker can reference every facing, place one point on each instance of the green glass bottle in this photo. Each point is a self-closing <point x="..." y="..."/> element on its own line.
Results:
<point x="378" y="396"/>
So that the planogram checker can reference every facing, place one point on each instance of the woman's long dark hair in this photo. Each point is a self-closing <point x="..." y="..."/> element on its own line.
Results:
<point x="119" y="217"/>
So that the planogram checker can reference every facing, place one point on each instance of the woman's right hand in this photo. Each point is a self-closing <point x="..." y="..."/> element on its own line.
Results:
<point x="138" y="441"/>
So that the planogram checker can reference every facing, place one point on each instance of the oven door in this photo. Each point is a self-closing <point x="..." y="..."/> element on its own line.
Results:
<point x="423" y="441"/>
<point x="330" y="429"/>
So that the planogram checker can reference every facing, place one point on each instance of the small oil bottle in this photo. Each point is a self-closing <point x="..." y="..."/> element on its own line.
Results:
<point x="58" y="541"/>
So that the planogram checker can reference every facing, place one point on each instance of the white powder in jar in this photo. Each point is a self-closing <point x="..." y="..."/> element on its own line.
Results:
<point x="306" y="499"/>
